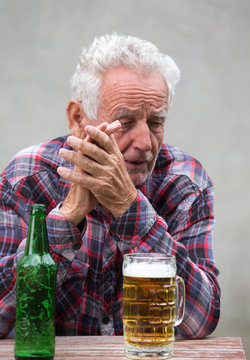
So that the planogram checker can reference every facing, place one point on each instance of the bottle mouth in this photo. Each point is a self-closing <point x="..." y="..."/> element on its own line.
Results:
<point x="38" y="207"/>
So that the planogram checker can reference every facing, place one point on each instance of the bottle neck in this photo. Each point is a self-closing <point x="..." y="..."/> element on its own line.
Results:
<point x="37" y="240"/>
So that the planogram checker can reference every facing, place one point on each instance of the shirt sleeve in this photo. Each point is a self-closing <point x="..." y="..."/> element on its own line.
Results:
<point x="12" y="231"/>
<point x="141" y="229"/>
<point x="65" y="241"/>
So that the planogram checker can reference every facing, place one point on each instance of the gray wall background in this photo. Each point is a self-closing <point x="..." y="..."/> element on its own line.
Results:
<point x="40" y="42"/>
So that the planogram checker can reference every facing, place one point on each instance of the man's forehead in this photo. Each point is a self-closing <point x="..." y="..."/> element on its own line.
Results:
<point x="115" y="77"/>
<point x="123" y="91"/>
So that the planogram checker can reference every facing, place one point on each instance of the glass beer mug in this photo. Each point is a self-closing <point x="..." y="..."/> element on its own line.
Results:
<point x="153" y="303"/>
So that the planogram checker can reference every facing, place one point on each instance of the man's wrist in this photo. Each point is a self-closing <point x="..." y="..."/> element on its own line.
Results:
<point x="123" y="208"/>
<point x="74" y="216"/>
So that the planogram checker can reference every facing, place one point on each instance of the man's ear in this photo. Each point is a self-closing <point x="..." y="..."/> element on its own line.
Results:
<point x="76" y="117"/>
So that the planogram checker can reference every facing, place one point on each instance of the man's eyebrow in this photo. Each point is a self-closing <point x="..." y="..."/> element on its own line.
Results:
<point x="123" y="113"/>
<point x="161" y="114"/>
<point x="129" y="113"/>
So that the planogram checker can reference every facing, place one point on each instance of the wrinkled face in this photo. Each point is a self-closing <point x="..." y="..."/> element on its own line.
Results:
<point x="139" y="101"/>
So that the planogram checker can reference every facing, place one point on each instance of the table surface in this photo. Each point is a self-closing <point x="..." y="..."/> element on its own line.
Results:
<point x="111" y="347"/>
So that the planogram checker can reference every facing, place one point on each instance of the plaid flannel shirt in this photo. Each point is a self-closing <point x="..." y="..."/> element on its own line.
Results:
<point x="172" y="214"/>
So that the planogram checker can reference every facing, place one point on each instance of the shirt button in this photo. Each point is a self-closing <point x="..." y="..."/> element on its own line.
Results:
<point x="108" y="276"/>
<point x="105" y="320"/>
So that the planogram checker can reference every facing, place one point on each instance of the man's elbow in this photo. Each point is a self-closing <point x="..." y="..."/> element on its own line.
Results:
<point x="198" y="327"/>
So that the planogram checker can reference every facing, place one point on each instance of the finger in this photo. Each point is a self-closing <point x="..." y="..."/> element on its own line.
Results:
<point x="100" y="138"/>
<point x="89" y="149"/>
<point x="113" y="127"/>
<point x="69" y="174"/>
<point x="77" y="177"/>
<point x="71" y="140"/>
<point x="115" y="145"/>
<point x="74" y="176"/>
<point x="92" y="151"/>
<point x="86" y="148"/>
<point x="82" y="163"/>
<point x="75" y="158"/>
<point x="102" y="126"/>
<point x="107" y="129"/>
<point x="75" y="142"/>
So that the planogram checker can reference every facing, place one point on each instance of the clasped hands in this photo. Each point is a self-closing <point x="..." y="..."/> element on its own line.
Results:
<point x="99" y="174"/>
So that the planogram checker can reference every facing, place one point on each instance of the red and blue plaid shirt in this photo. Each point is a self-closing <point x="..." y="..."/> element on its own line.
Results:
<point x="172" y="214"/>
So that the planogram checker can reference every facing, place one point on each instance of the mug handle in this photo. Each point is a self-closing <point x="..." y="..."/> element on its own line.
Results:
<point x="179" y="300"/>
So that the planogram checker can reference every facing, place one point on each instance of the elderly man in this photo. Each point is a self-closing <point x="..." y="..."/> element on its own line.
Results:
<point x="111" y="188"/>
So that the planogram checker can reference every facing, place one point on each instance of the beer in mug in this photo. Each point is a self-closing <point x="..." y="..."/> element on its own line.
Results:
<point x="150" y="308"/>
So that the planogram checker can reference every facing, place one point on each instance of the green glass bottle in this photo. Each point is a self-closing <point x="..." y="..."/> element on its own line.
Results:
<point x="35" y="293"/>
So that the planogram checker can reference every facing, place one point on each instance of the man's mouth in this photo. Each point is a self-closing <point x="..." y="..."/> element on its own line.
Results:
<point x="136" y="165"/>
<point x="138" y="162"/>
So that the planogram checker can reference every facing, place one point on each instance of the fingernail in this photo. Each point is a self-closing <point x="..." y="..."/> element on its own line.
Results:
<point x="90" y="129"/>
<point x="71" y="141"/>
<point x="62" y="152"/>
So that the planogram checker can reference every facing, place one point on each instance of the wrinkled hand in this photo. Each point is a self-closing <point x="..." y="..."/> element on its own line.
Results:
<point x="79" y="200"/>
<point x="78" y="203"/>
<point x="100" y="170"/>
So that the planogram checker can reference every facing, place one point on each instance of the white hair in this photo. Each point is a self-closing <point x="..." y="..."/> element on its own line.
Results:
<point x="110" y="51"/>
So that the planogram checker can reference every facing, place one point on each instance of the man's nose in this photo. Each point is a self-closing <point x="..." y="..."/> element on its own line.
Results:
<point x="142" y="138"/>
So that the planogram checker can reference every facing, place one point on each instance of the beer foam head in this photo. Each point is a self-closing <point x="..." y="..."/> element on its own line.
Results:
<point x="149" y="270"/>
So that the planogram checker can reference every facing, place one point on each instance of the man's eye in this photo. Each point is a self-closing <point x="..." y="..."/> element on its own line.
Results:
<point x="155" y="125"/>
<point x="126" y="124"/>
